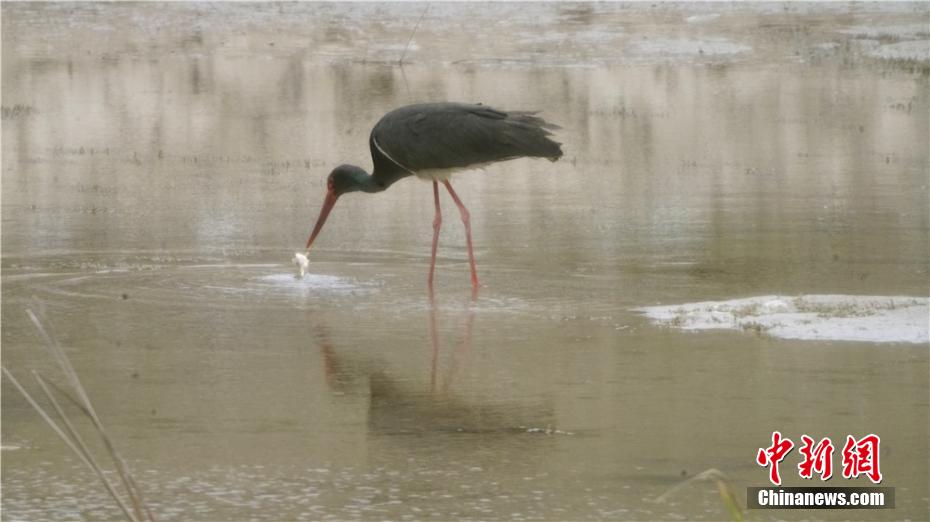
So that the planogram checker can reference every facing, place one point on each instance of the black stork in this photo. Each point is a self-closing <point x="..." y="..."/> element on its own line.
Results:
<point x="434" y="140"/>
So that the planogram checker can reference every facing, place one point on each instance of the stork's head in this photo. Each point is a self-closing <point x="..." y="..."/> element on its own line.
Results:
<point x="344" y="178"/>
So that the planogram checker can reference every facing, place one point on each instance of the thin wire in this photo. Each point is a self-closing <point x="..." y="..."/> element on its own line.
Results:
<point x="401" y="61"/>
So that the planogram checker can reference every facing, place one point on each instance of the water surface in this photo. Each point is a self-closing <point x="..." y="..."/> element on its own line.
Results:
<point x="161" y="164"/>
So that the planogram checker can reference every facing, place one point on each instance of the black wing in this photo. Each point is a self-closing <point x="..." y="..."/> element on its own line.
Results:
<point x="458" y="135"/>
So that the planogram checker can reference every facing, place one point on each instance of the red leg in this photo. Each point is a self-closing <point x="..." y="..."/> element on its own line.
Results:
<point x="437" y="223"/>
<point x="467" y="222"/>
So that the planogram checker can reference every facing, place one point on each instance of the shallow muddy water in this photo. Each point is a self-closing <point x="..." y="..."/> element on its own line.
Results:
<point x="161" y="165"/>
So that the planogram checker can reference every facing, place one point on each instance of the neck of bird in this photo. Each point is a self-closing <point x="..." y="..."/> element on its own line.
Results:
<point x="364" y="182"/>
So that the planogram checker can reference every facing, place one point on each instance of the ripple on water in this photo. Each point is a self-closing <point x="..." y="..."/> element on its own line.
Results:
<point x="312" y="281"/>
<point x="217" y="285"/>
<point x="205" y="283"/>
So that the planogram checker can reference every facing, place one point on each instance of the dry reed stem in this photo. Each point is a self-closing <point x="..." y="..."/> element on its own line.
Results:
<point x="82" y="453"/>
<point x="724" y="488"/>
<point x="140" y="511"/>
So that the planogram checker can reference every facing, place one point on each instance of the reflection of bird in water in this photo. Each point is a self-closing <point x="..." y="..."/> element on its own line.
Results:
<point x="332" y="368"/>
<point x="461" y="351"/>
<point x="434" y="140"/>
<point x="396" y="407"/>
<point x="393" y="409"/>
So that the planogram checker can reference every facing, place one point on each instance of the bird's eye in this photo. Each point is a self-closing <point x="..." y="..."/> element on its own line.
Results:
<point x="329" y="184"/>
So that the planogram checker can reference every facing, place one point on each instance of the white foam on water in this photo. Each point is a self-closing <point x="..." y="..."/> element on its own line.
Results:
<point x="36" y="275"/>
<point x="701" y="18"/>
<point x="686" y="47"/>
<point x="917" y="50"/>
<point x="896" y="31"/>
<point x="877" y="319"/>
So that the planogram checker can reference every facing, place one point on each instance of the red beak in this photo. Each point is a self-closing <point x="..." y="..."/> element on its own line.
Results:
<point x="328" y="204"/>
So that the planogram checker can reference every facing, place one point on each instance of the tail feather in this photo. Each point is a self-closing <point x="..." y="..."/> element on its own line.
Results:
<point x="531" y="118"/>
<point x="530" y="134"/>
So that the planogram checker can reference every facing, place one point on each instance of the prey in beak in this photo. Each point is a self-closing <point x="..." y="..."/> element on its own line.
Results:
<point x="302" y="263"/>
